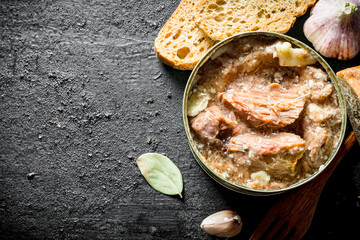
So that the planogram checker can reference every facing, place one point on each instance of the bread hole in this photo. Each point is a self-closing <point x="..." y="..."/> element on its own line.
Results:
<point x="243" y="21"/>
<point x="183" y="52"/>
<point x="297" y="4"/>
<point x="235" y="20"/>
<point x="220" y="17"/>
<point x="230" y="18"/>
<point x="201" y="39"/>
<point x="282" y="10"/>
<point x="201" y="49"/>
<point x="168" y="34"/>
<point x="189" y="37"/>
<point x="220" y="2"/>
<point x="267" y="15"/>
<point x="273" y="11"/>
<point x="260" y="14"/>
<point x="219" y="9"/>
<point x="228" y="34"/>
<point x="177" y="34"/>
<point x="191" y="55"/>
<point x="168" y="43"/>
<point x="256" y="28"/>
<point x="242" y="7"/>
<point x="212" y="6"/>
<point x="230" y="12"/>
<point x="182" y="19"/>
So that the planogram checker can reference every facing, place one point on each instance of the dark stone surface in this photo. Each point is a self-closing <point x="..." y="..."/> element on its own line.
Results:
<point x="81" y="91"/>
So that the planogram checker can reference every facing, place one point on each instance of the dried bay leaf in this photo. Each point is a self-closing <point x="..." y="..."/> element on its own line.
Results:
<point x="161" y="173"/>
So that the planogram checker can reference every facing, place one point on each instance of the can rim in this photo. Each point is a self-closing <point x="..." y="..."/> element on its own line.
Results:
<point x="201" y="160"/>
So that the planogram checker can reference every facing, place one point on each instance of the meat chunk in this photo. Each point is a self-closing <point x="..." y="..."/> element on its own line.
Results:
<point x="317" y="87"/>
<point x="315" y="140"/>
<point x="320" y="114"/>
<point x="273" y="107"/>
<point x="208" y="124"/>
<point x="321" y="91"/>
<point x="277" y="152"/>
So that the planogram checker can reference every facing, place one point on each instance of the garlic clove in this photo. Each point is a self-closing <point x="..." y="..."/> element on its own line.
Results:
<point x="222" y="224"/>
<point x="290" y="57"/>
<point x="197" y="103"/>
<point x="334" y="29"/>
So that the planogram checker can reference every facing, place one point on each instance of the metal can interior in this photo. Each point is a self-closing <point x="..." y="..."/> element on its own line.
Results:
<point x="200" y="159"/>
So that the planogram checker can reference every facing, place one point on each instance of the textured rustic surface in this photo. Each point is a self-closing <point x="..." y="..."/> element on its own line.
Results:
<point x="81" y="92"/>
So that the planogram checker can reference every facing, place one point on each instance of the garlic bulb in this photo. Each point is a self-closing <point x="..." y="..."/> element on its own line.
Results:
<point x="222" y="224"/>
<point x="334" y="28"/>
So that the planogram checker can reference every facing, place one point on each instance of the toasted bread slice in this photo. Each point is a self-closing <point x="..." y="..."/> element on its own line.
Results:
<point x="223" y="18"/>
<point x="180" y="43"/>
<point x="350" y="81"/>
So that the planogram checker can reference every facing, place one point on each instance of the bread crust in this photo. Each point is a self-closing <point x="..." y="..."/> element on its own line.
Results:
<point x="350" y="82"/>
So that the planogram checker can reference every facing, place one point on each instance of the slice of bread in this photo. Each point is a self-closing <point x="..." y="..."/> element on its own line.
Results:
<point x="223" y="18"/>
<point x="180" y="43"/>
<point x="350" y="81"/>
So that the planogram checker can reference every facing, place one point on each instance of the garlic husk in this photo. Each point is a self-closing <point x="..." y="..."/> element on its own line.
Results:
<point x="222" y="224"/>
<point x="334" y="28"/>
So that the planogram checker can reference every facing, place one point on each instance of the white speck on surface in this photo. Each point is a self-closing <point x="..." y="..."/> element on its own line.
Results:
<point x="225" y="175"/>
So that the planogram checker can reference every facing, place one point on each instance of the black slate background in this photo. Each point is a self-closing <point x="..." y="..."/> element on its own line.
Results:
<point x="82" y="95"/>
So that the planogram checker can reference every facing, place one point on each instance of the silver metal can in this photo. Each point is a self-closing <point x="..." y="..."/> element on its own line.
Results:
<point x="200" y="159"/>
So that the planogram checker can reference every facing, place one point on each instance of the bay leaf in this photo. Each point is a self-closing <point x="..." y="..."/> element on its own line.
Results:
<point x="161" y="173"/>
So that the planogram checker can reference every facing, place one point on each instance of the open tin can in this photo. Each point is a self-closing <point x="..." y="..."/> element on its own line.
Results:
<point x="200" y="158"/>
